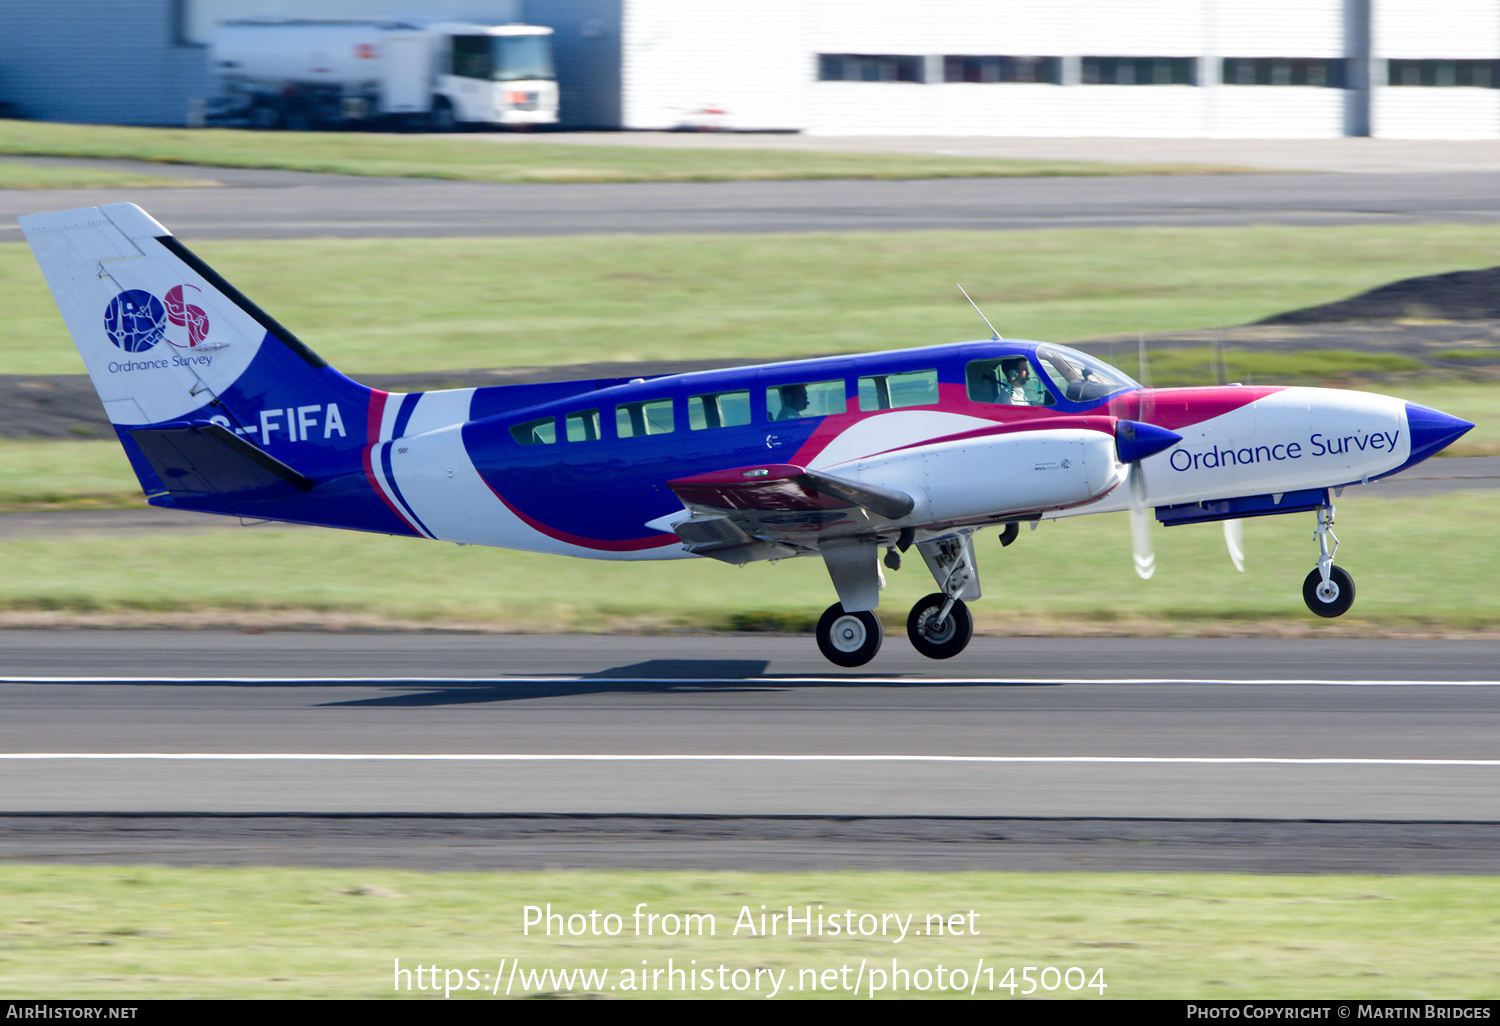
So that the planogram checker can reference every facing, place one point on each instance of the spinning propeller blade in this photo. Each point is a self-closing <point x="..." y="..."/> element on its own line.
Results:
<point x="1234" y="538"/>
<point x="1140" y="525"/>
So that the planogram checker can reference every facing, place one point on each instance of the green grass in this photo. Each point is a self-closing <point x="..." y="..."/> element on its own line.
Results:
<point x="147" y="932"/>
<point x="492" y="158"/>
<point x="19" y="175"/>
<point x="1075" y="575"/>
<point x="378" y="305"/>
<point x="39" y="475"/>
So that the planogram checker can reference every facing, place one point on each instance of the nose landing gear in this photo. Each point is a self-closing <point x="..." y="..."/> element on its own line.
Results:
<point x="1328" y="590"/>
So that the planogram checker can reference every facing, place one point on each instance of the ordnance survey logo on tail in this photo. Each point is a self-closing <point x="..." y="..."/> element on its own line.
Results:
<point x="135" y="320"/>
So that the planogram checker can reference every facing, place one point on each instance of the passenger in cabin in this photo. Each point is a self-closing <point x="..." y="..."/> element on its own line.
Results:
<point x="793" y="402"/>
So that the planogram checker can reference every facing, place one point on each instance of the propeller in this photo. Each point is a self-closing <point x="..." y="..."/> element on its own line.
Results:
<point x="1234" y="538"/>
<point x="1140" y="526"/>
<point x="1134" y="442"/>
<point x="1234" y="530"/>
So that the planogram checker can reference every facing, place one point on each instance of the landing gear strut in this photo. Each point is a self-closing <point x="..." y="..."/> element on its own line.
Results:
<point x="849" y="639"/>
<point x="1328" y="590"/>
<point x="940" y="625"/>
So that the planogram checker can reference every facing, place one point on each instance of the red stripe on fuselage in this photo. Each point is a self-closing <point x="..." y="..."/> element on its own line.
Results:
<point x="1174" y="408"/>
<point x="372" y="439"/>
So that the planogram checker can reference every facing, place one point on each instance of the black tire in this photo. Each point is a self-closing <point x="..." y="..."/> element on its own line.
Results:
<point x="1333" y="601"/>
<point x="933" y="641"/>
<point x="265" y="117"/>
<point x="849" y="639"/>
<point x="442" y="118"/>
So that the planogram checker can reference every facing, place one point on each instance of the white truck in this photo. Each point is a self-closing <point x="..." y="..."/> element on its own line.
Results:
<point x="438" y="74"/>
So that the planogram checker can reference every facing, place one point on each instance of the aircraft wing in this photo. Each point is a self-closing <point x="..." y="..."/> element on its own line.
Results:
<point x="771" y="512"/>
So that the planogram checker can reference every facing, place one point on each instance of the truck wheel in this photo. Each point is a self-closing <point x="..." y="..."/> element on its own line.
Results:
<point x="443" y="119"/>
<point x="264" y="116"/>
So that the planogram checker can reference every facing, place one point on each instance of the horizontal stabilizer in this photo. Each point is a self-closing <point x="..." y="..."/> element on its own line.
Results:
<point x="207" y="459"/>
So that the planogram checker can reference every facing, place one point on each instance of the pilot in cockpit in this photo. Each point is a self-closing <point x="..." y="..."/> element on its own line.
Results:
<point x="1014" y="374"/>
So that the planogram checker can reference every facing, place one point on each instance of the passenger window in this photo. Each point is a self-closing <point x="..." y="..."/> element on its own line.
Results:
<point x="807" y="399"/>
<point x="583" y="426"/>
<point x="719" y="409"/>
<point x="650" y="417"/>
<point x="542" y="431"/>
<point x="1007" y="382"/>
<point x="891" y="391"/>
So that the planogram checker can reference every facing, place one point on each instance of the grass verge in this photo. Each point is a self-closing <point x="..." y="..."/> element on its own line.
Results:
<point x="383" y="305"/>
<point x="489" y="158"/>
<point x="1067" y="577"/>
<point x="20" y="175"/>
<point x="147" y="932"/>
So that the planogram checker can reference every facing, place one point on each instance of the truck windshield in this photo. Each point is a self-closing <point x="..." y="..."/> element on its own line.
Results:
<point x="503" y="58"/>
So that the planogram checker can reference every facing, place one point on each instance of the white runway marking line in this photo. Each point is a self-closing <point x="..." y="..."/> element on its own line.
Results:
<point x="527" y="757"/>
<point x="925" y="681"/>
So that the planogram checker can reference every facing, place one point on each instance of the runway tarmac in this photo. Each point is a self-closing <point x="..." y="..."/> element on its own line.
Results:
<point x="281" y="204"/>
<point x="747" y="751"/>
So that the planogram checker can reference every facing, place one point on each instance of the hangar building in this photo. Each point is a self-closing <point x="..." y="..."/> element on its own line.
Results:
<point x="1150" y="68"/>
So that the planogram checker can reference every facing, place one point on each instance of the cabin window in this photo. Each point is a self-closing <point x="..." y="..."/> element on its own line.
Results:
<point x="719" y="409"/>
<point x="542" y="431"/>
<point x="1007" y="381"/>
<point x="805" y="399"/>
<point x="891" y="391"/>
<point x="649" y="417"/>
<point x="583" y="426"/>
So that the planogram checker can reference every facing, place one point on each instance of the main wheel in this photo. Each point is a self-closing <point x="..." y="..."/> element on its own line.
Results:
<point x="934" y="640"/>
<point x="849" y="639"/>
<point x="1331" y="599"/>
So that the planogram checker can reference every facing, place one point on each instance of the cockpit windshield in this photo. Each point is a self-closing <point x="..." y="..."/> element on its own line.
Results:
<point x="1079" y="377"/>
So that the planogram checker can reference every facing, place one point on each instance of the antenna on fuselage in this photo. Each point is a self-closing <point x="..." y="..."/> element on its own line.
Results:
<point x="980" y="312"/>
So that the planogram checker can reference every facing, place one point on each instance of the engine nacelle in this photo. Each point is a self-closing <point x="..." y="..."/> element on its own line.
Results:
<point x="975" y="478"/>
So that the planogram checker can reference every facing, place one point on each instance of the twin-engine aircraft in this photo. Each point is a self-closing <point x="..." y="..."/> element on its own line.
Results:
<point x="222" y="410"/>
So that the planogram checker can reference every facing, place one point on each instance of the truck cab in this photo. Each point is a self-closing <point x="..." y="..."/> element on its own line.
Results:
<point x="499" y="74"/>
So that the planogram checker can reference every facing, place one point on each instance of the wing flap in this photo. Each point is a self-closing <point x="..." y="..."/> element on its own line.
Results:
<point x="785" y="488"/>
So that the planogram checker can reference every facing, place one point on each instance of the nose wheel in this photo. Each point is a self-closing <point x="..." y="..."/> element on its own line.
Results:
<point x="849" y="639"/>
<point x="939" y="627"/>
<point x="1328" y="590"/>
<point x="1332" y="597"/>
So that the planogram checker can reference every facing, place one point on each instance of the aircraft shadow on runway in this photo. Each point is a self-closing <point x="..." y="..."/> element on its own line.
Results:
<point x="653" y="676"/>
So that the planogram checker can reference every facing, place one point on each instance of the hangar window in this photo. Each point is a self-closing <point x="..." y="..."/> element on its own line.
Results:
<point x="866" y="67"/>
<point x="648" y="417"/>
<point x="1284" y="71"/>
<point x="1003" y="69"/>
<point x="1139" y="71"/>
<point x="542" y="431"/>
<point x="892" y="391"/>
<point x="719" y="409"/>
<point x="1441" y="74"/>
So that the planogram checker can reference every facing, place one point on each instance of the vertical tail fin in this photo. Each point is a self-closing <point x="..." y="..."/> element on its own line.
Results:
<point x="218" y="406"/>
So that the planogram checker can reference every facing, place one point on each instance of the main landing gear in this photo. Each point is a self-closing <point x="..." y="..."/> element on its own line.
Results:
<point x="939" y="626"/>
<point x="849" y="639"/>
<point x="1328" y="590"/>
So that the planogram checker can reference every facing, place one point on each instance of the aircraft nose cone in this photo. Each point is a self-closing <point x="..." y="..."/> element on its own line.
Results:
<point x="1432" y="431"/>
